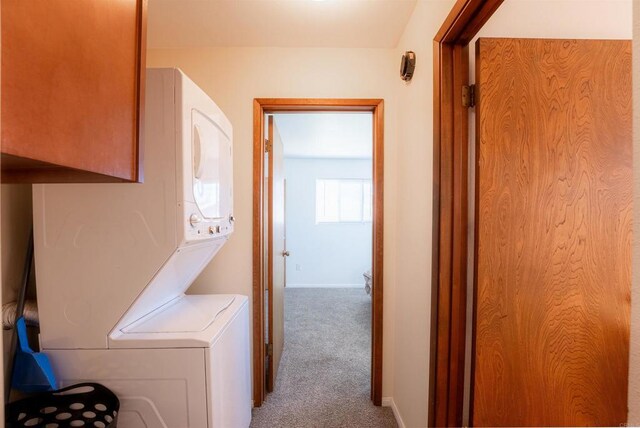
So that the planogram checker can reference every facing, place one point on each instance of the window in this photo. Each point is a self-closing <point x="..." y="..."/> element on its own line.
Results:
<point x="343" y="200"/>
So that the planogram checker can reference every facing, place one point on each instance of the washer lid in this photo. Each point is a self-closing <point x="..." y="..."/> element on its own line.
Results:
<point x="187" y="314"/>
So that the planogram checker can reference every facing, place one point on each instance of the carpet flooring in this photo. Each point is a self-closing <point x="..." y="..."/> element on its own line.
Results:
<point x="324" y="375"/>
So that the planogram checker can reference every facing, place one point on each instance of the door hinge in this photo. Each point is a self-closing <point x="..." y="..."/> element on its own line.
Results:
<point x="268" y="145"/>
<point x="268" y="349"/>
<point x="469" y="96"/>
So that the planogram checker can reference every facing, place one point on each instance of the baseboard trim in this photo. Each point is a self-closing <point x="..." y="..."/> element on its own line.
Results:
<point x="388" y="402"/>
<point x="325" y="286"/>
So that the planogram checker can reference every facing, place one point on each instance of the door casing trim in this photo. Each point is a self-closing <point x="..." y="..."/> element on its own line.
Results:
<point x="450" y="206"/>
<point x="273" y="105"/>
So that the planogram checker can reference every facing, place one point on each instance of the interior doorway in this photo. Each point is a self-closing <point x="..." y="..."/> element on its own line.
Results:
<point x="270" y="252"/>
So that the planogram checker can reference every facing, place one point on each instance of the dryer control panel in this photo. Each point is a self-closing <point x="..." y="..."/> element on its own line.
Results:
<point x="199" y="228"/>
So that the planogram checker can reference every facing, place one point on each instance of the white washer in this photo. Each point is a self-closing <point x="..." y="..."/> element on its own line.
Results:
<point x="186" y="366"/>
<point x="113" y="263"/>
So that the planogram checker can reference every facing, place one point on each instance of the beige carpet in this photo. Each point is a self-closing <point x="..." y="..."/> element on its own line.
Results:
<point x="325" y="368"/>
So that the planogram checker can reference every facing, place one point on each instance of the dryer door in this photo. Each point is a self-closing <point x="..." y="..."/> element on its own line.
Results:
<point x="211" y="168"/>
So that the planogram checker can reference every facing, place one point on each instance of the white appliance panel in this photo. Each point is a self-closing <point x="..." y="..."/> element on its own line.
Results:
<point x="153" y="332"/>
<point x="97" y="246"/>
<point x="176" y="275"/>
<point x="165" y="381"/>
<point x="229" y="375"/>
<point x="156" y="387"/>
<point x="188" y="314"/>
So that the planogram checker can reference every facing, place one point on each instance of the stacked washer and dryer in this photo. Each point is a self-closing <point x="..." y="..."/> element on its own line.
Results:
<point x="113" y="262"/>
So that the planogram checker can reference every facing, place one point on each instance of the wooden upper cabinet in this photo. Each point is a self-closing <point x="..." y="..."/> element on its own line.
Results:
<point x="72" y="90"/>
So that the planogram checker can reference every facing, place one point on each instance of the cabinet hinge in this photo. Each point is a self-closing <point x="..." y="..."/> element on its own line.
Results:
<point x="267" y="146"/>
<point x="469" y="96"/>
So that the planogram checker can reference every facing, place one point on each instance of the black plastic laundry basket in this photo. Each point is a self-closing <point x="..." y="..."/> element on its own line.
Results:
<point x="89" y="405"/>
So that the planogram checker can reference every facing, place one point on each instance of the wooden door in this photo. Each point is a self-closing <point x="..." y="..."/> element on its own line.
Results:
<point x="276" y="251"/>
<point x="553" y="234"/>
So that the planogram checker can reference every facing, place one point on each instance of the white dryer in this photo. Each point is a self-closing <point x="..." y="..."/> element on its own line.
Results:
<point x="113" y="262"/>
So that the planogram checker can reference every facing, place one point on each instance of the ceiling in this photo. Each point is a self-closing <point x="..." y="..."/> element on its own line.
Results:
<point x="326" y="135"/>
<point x="277" y="23"/>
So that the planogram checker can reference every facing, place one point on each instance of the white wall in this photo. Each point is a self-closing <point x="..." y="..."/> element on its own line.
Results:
<point x="634" y="363"/>
<point x="233" y="77"/>
<point x="325" y="254"/>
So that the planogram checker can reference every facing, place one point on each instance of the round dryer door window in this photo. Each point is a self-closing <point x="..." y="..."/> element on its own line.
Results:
<point x="211" y="167"/>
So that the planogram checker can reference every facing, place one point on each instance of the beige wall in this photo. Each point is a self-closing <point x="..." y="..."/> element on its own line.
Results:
<point x="595" y="19"/>
<point x="233" y="77"/>
<point x="15" y="224"/>
<point x="634" y="363"/>
<point x="414" y="216"/>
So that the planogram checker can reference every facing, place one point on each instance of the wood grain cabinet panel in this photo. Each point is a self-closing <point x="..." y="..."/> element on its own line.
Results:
<point x="72" y="90"/>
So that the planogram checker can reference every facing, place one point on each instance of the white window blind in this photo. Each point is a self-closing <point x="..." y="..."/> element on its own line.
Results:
<point x="343" y="200"/>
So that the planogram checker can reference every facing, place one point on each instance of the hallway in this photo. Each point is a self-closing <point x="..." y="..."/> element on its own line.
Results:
<point x="325" y="368"/>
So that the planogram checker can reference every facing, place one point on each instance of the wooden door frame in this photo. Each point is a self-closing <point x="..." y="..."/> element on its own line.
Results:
<point x="276" y="105"/>
<point x="450" y="208"/>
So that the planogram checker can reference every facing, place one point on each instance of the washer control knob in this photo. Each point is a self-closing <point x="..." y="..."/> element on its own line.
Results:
<point x="231" y="218"/>
<point x="194" y="219"/>
<point x="211" y="230"/>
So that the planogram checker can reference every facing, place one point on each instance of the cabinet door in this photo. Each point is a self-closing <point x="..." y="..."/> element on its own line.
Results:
<point x="72" y="90"/>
